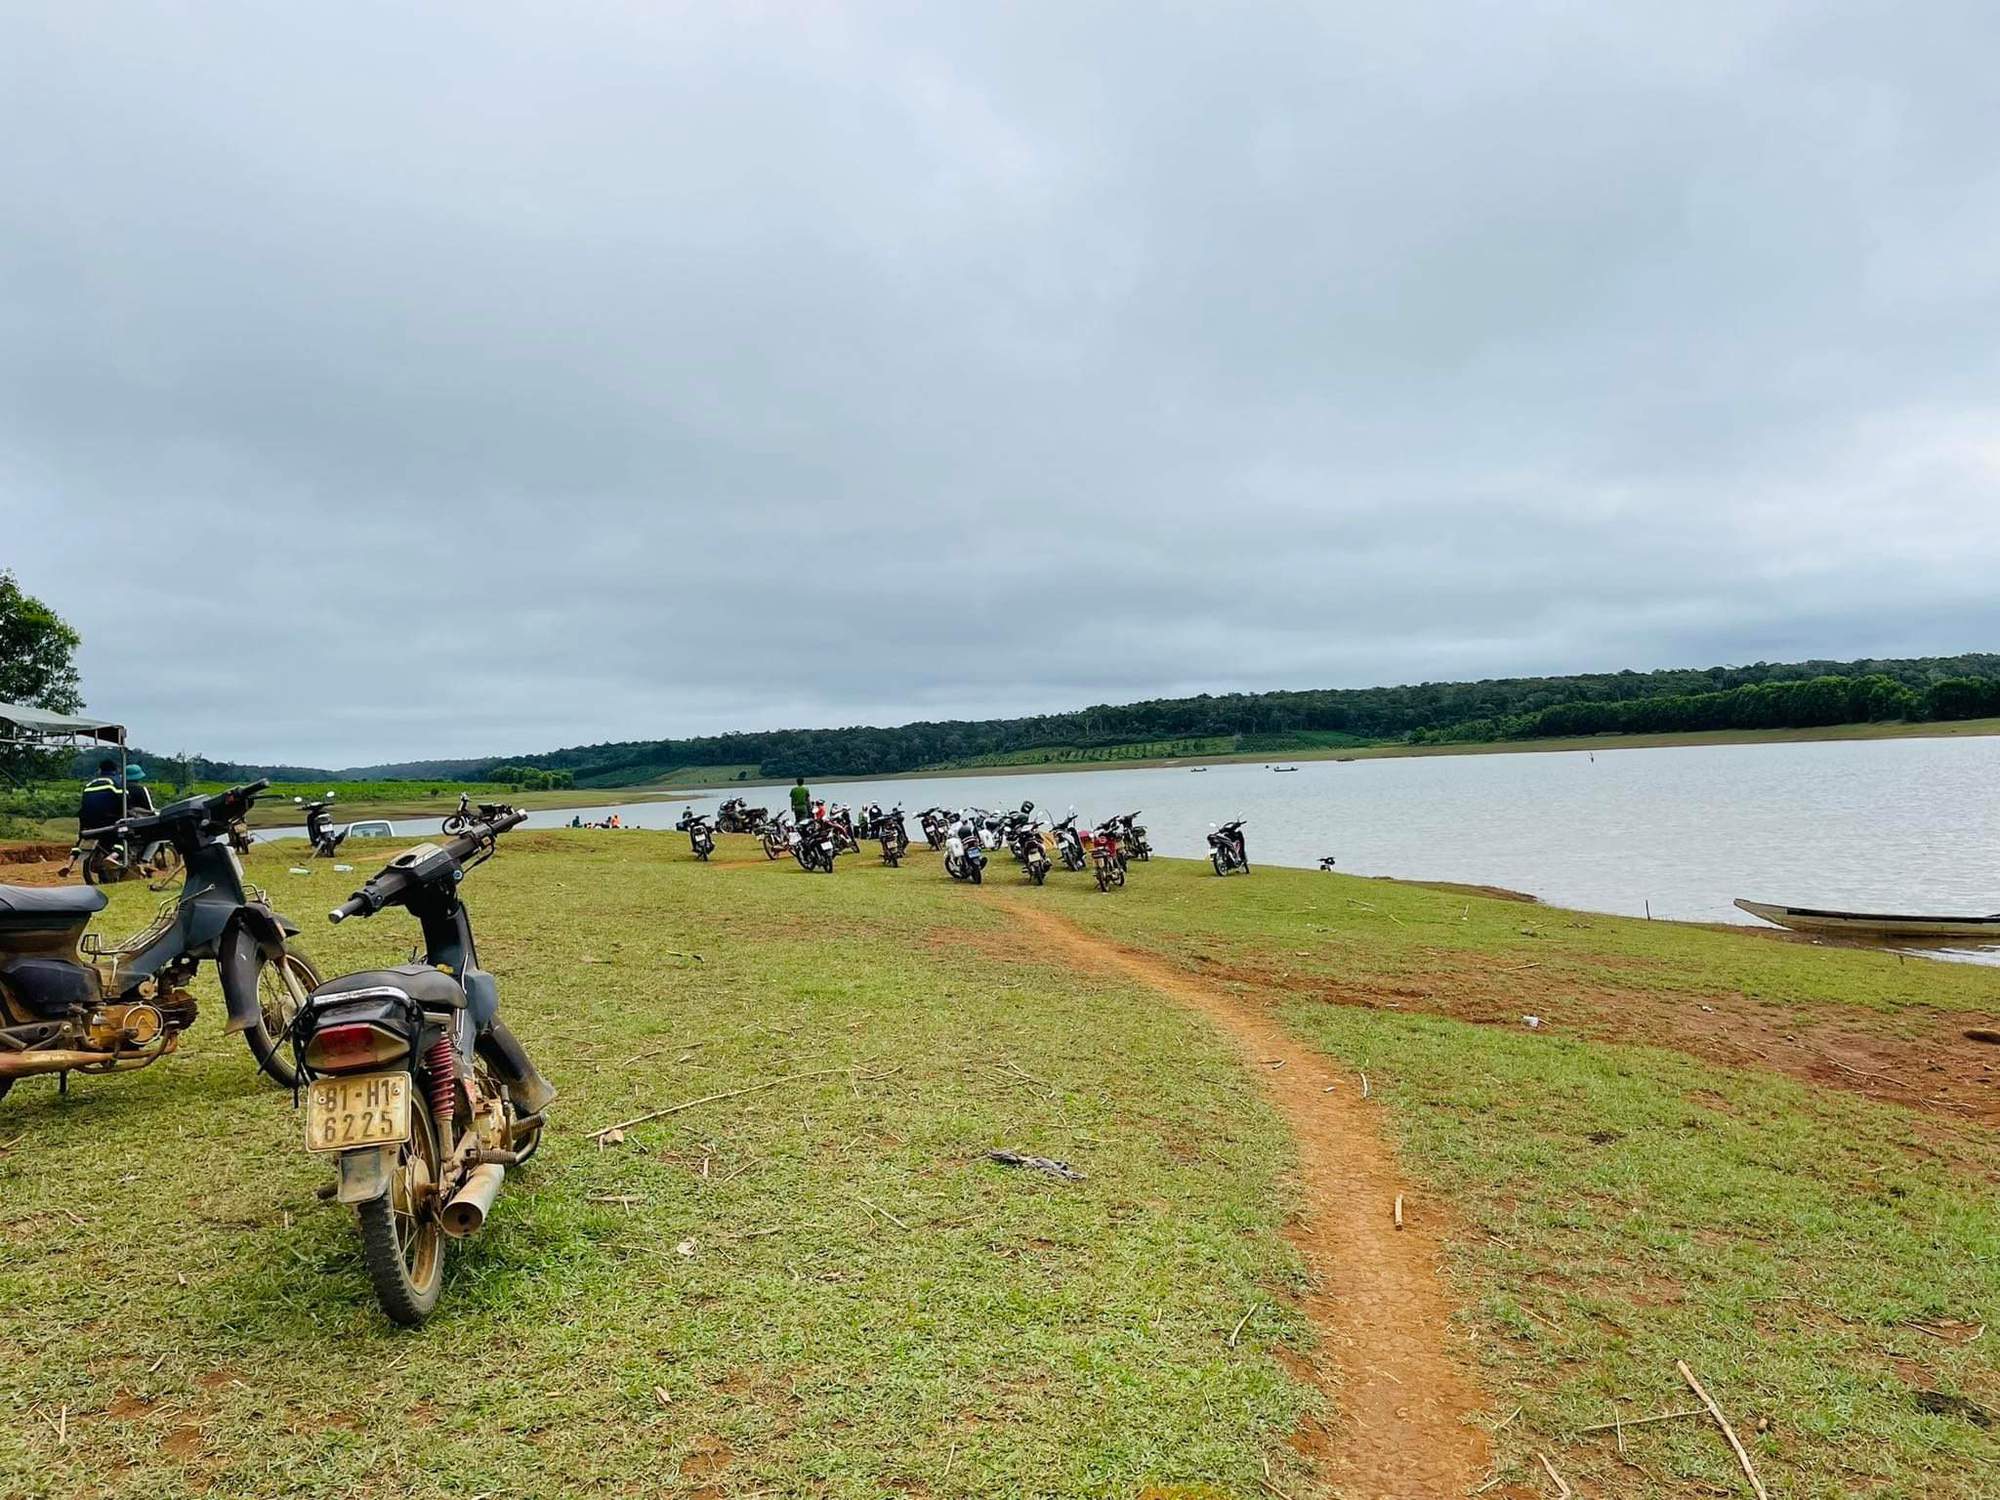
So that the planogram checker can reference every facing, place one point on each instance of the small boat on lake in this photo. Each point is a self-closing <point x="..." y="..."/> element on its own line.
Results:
<point x="1876" y="926"/>
<point x="1282" y="769"/>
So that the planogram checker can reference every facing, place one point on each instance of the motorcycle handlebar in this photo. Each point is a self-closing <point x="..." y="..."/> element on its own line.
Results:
<point x="395" y="881"/>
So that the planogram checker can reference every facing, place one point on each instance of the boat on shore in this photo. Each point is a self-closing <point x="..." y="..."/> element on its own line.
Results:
<point x="1875" y="926"/>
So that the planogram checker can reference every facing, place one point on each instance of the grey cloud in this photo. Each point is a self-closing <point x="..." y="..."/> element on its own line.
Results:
<point x="455" y="380"/>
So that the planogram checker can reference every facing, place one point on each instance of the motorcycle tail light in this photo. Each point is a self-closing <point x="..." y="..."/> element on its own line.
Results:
<point x="354" y="1047"/>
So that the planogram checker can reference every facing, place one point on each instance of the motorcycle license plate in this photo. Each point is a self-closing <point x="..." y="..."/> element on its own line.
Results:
<point x="367" y="1109"/>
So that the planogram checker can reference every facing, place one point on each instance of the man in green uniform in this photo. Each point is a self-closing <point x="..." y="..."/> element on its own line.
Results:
<point x="802" y="802"/>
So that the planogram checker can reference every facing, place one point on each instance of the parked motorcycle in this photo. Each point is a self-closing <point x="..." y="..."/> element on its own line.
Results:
<point x="68" y="1003"/>
<point x="815" y="845"/>
<point x="701" y="838"/>
<point x="1132" y="842"/>
<point x="320" y="832"/>
<point x="1069" y="844"/>
<point x="893" y="833"/>
<point x="413" y="1083"/>
<point x="461" y="820"/>
<point x="936" y="824"/>
<point x="778" y="836"/>
<point x="106" y="858"/>
<point x="1025" y="840"/>
<point x="1108" y="857"/>
<point x="734" y="816"/>
<point x="1226" y="849"/>
<point x="840" y="819"/>
<point x="964" y="855"/>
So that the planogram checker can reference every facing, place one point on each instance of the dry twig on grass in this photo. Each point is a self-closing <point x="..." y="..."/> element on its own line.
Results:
<point x="1623" y="1422"/>
<point x="1237" y="1332"/>
<point x="878" y="1208"/>
<point x="1563" y="1491"/>
<point x="1742" y="1456"/>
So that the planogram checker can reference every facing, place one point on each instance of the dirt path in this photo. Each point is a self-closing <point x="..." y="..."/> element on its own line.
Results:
<point x="1404" y="1430"/>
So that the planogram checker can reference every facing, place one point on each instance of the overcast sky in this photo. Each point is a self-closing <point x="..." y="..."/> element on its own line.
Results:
<point x="390" y="380"/>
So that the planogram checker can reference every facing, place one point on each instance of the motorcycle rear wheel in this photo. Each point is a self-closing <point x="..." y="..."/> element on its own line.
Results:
<point x="402" y="1239"/>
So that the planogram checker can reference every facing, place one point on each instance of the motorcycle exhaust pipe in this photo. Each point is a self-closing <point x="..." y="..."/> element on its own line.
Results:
<point x="62" y="1060"/>
<point x="466" y="1213"/>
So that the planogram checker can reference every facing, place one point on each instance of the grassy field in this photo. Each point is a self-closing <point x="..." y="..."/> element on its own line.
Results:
<point x="1773" y="1160"/>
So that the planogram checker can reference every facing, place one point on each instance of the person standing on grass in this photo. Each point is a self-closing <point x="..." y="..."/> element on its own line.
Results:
<point x="802" y="802"/>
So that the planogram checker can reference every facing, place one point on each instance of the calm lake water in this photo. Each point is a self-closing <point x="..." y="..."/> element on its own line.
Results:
<point x="1883" y="825"/>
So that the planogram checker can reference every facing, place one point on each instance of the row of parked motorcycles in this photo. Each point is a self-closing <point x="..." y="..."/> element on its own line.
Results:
<point x="410" y="1084"/>
<point x="965" y="836"/>
<point x="968" y="835"/>
<point x="816" y="843"/>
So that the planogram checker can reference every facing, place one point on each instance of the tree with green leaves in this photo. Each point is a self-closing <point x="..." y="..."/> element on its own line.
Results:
<point x="37" y="652"/>
<point x="37" y="668"/>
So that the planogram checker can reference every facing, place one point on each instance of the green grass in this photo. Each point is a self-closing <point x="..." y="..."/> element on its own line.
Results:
<point x="1621" y="1206"/>
<point x="868" y="1308"/>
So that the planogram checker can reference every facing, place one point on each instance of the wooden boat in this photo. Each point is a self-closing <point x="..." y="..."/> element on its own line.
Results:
<point x="1880" y="927"/>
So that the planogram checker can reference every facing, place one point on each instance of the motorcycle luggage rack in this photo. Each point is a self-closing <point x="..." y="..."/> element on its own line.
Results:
<point x="92" y="944"/>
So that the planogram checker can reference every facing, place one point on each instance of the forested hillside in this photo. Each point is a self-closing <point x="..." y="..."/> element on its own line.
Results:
<point x="1763" y="695"/>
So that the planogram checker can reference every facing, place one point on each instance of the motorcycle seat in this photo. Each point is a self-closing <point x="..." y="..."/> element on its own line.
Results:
<point x="433" y="989"/>
<point x="54" y="901"/>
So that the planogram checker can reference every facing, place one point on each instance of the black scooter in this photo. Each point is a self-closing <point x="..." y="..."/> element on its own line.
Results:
<point x="1226" y="849"/>
<point x="413" y="1084"/>
<point x="320" y="832"/>
<point x="1069" y="844"/>
<point x="70" y="1004"/>
<point x="701" y="838"/>
<point x="815" y="845"/>
<point x="894" y="833"/>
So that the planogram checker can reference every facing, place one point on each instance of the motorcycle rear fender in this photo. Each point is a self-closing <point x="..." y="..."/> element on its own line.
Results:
<point x="364" y="1174"/>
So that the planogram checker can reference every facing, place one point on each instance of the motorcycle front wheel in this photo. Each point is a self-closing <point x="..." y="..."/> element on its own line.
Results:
<point x="402" y="1239"/>
<point x="282" y="986"/>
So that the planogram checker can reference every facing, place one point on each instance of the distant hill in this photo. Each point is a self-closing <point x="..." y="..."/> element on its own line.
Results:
<point x="1763" y="695"/>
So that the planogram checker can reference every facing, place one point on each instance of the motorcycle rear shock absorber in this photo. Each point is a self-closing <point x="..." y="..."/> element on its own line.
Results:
<point x="442" y="1061"/>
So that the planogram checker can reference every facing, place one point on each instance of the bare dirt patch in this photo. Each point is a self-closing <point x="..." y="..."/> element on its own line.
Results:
<point x="32" y="864"/>
<point x="1406" y="1408"/>
<point x="1921" y="1060"/>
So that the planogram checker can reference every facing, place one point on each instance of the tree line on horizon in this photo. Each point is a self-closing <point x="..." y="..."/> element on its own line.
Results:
<point x="1764" y="695"/>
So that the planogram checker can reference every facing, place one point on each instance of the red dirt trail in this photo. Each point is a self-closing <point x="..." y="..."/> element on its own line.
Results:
<point x="1405" y="1407"/>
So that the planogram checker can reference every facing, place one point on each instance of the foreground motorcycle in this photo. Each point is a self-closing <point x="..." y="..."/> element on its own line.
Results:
<point x="1025" y="840"/>
<point x="701" y="838"/>
<point x="413" y="1083"/>
<point x="1226" y="851"/>
<point x="815" y="845"/>
<point x="964" y="856"/>
<point x="1069" y="844"/>
<point x="734" y="816"/>
<point x="320" y="832"/>
<point x="70" y="1004"/>
<point x="1108" y="858"/>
